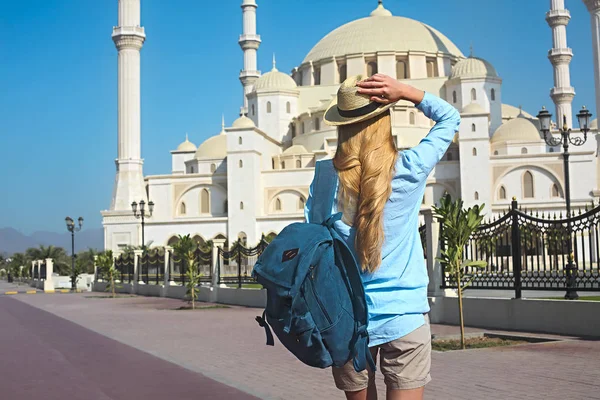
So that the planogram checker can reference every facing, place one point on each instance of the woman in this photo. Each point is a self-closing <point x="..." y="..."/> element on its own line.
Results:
<point x="379" y="192"/>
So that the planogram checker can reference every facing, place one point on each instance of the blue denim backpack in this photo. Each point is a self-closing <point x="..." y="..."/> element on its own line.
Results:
<point x="315" y="297"/>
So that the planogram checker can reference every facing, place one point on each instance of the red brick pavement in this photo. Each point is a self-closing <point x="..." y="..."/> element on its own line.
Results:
<point x="227" y="345"/>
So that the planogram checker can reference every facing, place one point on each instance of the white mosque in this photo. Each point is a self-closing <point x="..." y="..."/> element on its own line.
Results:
<point x="252" y="178"/>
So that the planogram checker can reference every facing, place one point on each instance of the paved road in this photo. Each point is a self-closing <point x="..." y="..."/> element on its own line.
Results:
<point x="227" y="345"/>
<point x="47" y="357"/>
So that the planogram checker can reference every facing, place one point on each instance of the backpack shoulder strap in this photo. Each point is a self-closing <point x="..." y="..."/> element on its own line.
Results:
<point x="323" y="191"/>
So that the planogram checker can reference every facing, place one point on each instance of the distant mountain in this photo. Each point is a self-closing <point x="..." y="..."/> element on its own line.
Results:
<point x="13" y="241"/>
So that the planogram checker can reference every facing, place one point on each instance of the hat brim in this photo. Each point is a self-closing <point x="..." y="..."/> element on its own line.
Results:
<point x="332" y="115"/>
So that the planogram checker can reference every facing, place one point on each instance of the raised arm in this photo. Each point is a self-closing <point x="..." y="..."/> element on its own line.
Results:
<point x="423" y="157"/>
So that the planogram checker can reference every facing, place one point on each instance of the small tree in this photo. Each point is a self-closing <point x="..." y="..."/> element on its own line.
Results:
<point x="184" y="250"/>
<point x="458" y="224"/>
<point x="106" y="264"/>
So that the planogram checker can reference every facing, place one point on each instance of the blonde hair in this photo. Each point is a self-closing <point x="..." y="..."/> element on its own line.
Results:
<point x="365" y="160"/>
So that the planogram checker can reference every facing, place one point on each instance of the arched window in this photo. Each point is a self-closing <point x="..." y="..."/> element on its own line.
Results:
<point x="555" y="192"/>
<point x="288" y="107"/>
<point x="502" y="193"/>
<point x="240" y="140"/>
<point x="454" y="99"/>
<point x="496" y="152"/>
<point x="243" y="238"/>
<point x="317" y="75"/>
<point x="411" y="118"/>
<point x="301" y="203"/>
<point x="401" y="70"/>
<point x="476" y="195"/>
<point x="204" y="201"/>
<point x="191" y="170"/>
<point x="213" y="167"/>
<point x="431" y="69"/>
<point x="493" y="95"/>
<point x="273" y="163"/>
<point x="302" y="128"/>
<point x="343" y="71"/>
<point x="371" y="68"/>
<point x="225" y="206"/>
<point x="474" y="151"/>
<point x="528" y="191"/>
<point x="182" y="209"/>
<point x="278" y="204"/>
<point x="473" y="94"/>
<point x="173" y="241"/>
<point x="241" y="205"/>
<point x="473" y="128"/>
<point x="268" y="107"/>
<point x="298" y="164"/>
<point x="241" y="164"/>
<point x="317" y="124"/>
<point x="253" y="110"/>
<point x="551" y="149"/>
<point x="283" y="165"/>
<point x="524" y="150"/>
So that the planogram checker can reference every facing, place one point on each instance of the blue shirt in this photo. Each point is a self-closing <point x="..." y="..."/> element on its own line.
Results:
<point x="396" y="292"/>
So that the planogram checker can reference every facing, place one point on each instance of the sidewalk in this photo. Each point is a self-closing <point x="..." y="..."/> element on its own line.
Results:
<point x="228" y="346"/>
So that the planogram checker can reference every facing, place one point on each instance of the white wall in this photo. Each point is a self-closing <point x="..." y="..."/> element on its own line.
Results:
<point x="191" y="198"/>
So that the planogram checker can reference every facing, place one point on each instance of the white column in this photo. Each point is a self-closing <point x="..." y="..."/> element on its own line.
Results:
<point x="137" y="270"/>
<point x="560" y="56"/>
<point x="128" y="37"/>
<point x="434" y="269"/>
<point x="217" y="243"/>
<point x="593" y="7"/>
<point x="167" y="278"/>
<point x="249" y="42"/>
<point x="49" y="282"/>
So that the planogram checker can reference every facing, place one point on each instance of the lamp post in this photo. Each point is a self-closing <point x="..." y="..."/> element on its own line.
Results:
<point x="565" y="139"/>
<point x="72" y="228"/>
<point x="142" y="215"/>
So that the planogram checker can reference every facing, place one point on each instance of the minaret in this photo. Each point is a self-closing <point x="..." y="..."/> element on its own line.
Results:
<point x="593" y="7"/>
<point x="129" y="37"/>
<point x="249" y="42"/>
<point x="560" y="56"/>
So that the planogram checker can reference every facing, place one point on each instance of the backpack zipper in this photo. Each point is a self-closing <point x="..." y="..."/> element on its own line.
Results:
<point x="312" y="286"/>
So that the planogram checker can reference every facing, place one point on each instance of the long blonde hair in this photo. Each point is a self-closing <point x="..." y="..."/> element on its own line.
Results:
<point x="365" y="160"/>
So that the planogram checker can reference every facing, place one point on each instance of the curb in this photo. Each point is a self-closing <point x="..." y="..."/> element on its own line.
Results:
<point x="13" y="292"/>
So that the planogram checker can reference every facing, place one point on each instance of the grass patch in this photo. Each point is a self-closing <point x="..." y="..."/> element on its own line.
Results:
<point x="110" y="297"/>
<point x="211" y="307"/>
<point x="473" y="343"/>
<point x="583" y="298"/>
<point x="247" y="286"/>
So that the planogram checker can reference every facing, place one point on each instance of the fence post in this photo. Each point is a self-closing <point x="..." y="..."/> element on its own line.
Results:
<point x="214" y="273"/>
<point x="167" y="271"/>
<point x="49" y="282"/>
<point x="516" y="248"/>
<point x="137" y="254"/>
<point x="434" y="268"/>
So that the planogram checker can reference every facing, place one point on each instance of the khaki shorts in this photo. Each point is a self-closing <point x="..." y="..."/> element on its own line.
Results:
<point x="404" y="362"/>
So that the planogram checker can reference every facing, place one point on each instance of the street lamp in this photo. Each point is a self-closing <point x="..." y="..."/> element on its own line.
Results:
<point x="72" y="228"/>
<point x="565" y="139"/>
<point x="142" y="215"/>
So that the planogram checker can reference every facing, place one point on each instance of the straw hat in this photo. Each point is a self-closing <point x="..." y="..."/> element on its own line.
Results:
<point x="350" y="106"/>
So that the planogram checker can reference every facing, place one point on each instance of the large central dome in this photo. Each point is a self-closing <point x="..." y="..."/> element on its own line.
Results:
<point x="382" y="32"/>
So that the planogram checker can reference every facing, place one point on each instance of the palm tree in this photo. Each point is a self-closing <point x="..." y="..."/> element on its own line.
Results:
<point x="184" y="250"/>
<point x="62" y="264"/>
<point x="85" y="261"/>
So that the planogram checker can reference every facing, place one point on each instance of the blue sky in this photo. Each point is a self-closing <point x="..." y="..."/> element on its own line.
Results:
<point x="58" y="75"/>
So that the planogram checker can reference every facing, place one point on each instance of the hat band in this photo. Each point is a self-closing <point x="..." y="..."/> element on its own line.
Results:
<point x="359" y="112"/>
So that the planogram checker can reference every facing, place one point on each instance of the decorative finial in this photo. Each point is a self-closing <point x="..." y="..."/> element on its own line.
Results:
<point x="274" y="63"/>
<point x="186" y="137"/>
<point x="380" y="2"/>
<point x="471" y="49"/>
<point x="520" y="111"/>
<point x="223" y="121"/>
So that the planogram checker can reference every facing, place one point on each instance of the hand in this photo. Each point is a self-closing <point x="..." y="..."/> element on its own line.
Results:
<point x="385" y="90"/>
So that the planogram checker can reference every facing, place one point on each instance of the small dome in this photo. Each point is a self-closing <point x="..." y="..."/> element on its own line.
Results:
<point x="186" y="146"/>
<point x="519" y="129"/>
<point x="274" y="80"/>
<point x="473" y="109"/>
<point x="295" y="149"/>
<point x="243" y="122"/>
<point x="510" y="112"/>
<point x="594" y="124"/>
<point x="213" y="148"/>
<point x="473" y="67"/>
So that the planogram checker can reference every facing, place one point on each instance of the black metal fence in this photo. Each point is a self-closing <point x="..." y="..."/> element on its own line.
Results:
<point x="202" y="259"/>
<point x="43" y="271"/>
<point x="235" y="265"/>
<point x="530" y="251"/>
<point x="124" y="265"/>
<point x="151" y="266"/>
<point x="36" y="272"/>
